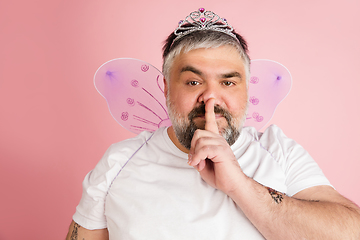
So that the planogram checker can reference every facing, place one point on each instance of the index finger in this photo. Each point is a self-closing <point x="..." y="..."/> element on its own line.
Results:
<point x="210" y="118"/>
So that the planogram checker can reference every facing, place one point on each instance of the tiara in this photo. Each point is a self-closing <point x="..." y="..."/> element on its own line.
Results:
<point x="203" y="20"/>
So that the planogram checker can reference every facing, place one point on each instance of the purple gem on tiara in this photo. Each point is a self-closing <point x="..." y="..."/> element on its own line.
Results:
<point x="224" y="19"/>
<point x="202" y="20"/>
<point x="181" y="21"/>
<point x="201" y="10"/>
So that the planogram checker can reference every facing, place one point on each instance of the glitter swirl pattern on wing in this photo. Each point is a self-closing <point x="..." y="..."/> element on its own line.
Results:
<point x="144" y="68"/>
<point x="134" y="83"/>
<point x="124" y="116"/>
<point x="254" y="80"/>
<point x="130" y="101"/>
<point x="257" y="117"/>
<point x="254" y="100"/>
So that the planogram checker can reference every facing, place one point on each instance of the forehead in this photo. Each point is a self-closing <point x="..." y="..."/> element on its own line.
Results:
<point x="224" y="58"/>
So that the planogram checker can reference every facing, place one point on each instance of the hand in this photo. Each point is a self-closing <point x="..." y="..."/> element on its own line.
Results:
<point x="212" y="156"/>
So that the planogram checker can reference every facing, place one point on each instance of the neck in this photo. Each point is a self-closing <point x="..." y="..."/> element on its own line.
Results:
<point x="174" y="139"/>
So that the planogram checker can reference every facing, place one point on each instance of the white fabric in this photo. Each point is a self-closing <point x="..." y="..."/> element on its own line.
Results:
<point x="143" y="188"/>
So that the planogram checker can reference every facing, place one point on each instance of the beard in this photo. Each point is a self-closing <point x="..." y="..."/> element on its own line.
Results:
<point x="184" y="127"/>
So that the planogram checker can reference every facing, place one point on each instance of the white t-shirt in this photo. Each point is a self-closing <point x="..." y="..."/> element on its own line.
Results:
<point x="143" y="187"/>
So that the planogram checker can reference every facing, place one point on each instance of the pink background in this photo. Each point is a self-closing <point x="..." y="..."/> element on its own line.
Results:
<point x="55" y="126"/>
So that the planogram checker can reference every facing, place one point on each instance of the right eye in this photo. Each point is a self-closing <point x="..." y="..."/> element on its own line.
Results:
<point x="193" y="83"/>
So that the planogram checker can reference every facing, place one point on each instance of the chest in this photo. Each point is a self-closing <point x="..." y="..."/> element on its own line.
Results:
<point x="152" y="199"/>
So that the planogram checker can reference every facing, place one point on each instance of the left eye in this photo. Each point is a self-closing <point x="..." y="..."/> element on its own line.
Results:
<point x="193" y="83"/>
<point x="228" y="83"/>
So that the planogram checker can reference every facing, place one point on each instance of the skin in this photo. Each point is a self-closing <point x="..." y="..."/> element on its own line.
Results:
<point x="217" y="77"/>
<point x="76" y="232"/>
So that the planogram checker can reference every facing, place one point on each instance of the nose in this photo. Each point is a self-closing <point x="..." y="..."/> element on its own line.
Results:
<point x="210" y="90"/>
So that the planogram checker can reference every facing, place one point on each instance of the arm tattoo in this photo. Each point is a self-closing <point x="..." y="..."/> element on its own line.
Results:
<point x="74" y="234"/>
<point x="277" y="196"/>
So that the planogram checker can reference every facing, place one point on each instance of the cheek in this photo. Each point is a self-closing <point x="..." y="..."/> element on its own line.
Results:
<point x="244" y="101"/>
<point x="182" y="100"/>
<point x="237" y="105"/>
<point x="177" y="106"/>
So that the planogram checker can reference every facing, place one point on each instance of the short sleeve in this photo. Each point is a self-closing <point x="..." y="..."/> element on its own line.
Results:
<point x="300" y="169"/>
<point x="90" y="211"/>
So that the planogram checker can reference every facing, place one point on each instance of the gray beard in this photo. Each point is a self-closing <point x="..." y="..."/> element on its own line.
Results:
<point x="185" y="128"/>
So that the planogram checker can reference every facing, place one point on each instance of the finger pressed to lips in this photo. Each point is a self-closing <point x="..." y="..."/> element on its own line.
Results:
<point x="210" y="116"/>
<point x="204" y="140"/>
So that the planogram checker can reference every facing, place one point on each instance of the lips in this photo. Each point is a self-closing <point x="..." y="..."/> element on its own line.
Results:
<point x="202" y="116"/>
<point x="199" y="112"/>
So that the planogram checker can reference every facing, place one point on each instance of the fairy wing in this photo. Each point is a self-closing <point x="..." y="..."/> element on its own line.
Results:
<point x="134" y="91"/>
<point x="270" y="82"/>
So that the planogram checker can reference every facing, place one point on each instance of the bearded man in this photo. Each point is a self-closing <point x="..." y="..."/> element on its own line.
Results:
<point x="207" y="177"/>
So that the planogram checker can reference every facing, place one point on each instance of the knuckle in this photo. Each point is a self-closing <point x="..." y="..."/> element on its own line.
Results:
<point x="201" y="141"/>
<point x="197" y="133"/>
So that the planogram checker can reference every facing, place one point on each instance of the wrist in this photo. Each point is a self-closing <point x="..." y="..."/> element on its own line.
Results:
<point x="240" y="186"/>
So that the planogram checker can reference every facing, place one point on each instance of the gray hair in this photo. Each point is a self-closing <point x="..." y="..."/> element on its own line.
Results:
<point x="202" y="39"/>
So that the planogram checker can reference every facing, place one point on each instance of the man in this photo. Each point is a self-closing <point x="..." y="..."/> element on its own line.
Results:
<point x="206" y="177"/>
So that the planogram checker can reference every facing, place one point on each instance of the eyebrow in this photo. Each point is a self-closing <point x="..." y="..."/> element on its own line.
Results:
<point x="231" y="75"/>
<point x="198" y="72"/>
<point x="191" y="69"/>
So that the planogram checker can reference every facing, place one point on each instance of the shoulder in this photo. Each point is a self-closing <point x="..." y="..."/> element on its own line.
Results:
<point x="119" y="153"/>
<point x="273" y="139"/>
<point x="270" y="133"/>
<point x="299" y="168"/>
<point x="273" y="143"/>
<point x="128" y="146"/>
<point x="90" y="211"/>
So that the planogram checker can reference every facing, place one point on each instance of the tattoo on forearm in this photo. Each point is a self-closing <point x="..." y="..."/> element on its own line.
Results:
<point x="277" y="196"/>
<point x="74" y="234"/>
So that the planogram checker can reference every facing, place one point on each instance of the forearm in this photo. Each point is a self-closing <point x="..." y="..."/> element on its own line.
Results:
<point x="76" y="232"/>
<point x="278" y="216"/>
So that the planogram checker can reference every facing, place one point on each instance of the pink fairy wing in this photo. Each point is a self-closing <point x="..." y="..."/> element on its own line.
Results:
<point x="269" y="84"/>
<point x="134" y="93"/>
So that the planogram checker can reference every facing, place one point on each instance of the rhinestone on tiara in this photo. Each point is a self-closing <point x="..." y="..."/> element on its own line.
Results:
<point x="203" y="20"/>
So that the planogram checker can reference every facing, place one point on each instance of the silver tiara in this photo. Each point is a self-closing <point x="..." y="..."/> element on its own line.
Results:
<point x="203" y="20"/>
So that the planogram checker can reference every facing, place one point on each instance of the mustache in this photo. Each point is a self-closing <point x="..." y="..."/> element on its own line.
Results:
<point x="200" y="111"/>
